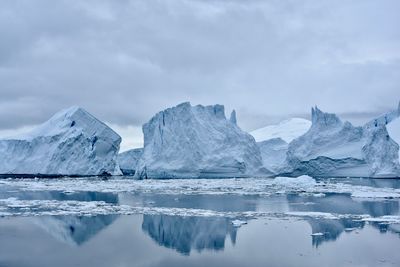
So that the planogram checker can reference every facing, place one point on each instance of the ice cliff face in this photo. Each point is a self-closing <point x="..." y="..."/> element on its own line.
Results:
<point x="335" y="148"/>
<point x="197" y="141"/>
<point x="128" y="160"/>
<point x="273" y="153"/>
<point x="72" y="142"/>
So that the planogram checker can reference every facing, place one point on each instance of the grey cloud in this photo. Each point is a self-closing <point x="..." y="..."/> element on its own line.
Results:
<point x="126" y="60"/>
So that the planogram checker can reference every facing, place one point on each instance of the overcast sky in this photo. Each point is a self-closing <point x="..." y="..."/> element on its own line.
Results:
<point x="125" y="60"/>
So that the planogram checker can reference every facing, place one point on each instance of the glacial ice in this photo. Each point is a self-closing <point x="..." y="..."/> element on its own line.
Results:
<point x="72" y="142"/>
<point x="393" y="129"/>
<point x="273" y="153"/>
<point x="335" y="148"/>
<point x="128" y="160"/>
<point x="197" y="141"/>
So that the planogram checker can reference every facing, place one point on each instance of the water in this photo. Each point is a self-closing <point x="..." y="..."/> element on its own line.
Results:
<point x="219" y="222"/>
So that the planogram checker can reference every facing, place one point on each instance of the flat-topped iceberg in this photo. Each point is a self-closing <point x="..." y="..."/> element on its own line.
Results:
<point x="128" y="160"/>
<point x="197" y="141"/>
<point x="332" y="147"/>
<point x="72" y="142"/>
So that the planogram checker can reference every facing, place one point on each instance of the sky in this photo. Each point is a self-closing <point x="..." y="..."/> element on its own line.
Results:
<point x="125" y="60"/>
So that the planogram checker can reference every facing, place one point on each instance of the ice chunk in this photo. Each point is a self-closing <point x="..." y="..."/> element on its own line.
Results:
<point x="238" y="223"/>
<point x="72" y="142"/>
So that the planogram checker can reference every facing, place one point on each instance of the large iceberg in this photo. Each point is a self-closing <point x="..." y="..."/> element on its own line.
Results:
<point x="332" y="147"/>
<point x="286" y="130"/>
<point x="197" y="141"/>
<point x="128" y="160"/>
<point x="72" y="142"/>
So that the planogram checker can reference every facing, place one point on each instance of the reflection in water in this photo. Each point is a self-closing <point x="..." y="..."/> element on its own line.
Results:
<point x="186" y="233"/>
<point x="74" y="230"/>
<point x="330" y="229"/>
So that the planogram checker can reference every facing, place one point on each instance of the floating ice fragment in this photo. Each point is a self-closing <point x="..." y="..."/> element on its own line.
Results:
<point x="238" y="223"/>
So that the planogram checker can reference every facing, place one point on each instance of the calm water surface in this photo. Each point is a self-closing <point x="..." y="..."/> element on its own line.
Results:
<point x="221" y="222"/>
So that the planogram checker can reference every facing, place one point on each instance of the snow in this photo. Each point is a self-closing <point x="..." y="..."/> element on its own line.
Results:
<point x="332" y="147"/>
<point x="197" y="141"/>
<point x="287" y="130"/>
<point x="301" y="181"/>
<point x="72" y="142"/>
<point x="128" y="160"/>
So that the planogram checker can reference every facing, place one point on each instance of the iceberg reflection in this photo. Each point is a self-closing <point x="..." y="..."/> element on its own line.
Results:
<point x="186" y="233"/>
<point x="330" y="229"/>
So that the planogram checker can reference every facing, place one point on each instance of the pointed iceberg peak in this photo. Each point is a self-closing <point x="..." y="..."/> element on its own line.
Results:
<point x="233" y="117"/>
<point x="320" y="118"/>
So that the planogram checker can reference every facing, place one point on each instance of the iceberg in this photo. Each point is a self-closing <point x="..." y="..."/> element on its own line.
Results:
<point x="128" y="160"/>
<point x="287" y="130"/>
<point x="197" y="142"/>
<point x="332" y="147"/>
<point x="72" y="142"/>
<point x="273" y="153"/>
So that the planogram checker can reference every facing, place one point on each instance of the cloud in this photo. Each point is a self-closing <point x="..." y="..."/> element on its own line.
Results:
<point x="125" y="60"/>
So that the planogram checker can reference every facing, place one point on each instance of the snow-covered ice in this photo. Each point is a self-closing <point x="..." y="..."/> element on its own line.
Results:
<point x="287" y="130"/>
<point x="72" y="142"/>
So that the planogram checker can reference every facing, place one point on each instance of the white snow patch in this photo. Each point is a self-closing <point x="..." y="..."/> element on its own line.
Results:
<point x="303" y="180"/>
<point x="286" y="130"/>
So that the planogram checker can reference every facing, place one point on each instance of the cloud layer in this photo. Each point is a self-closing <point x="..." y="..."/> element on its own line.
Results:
<point x="125" y="60"/>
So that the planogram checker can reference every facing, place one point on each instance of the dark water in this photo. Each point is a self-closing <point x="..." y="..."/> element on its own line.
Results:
<point x="199" y="223"/>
